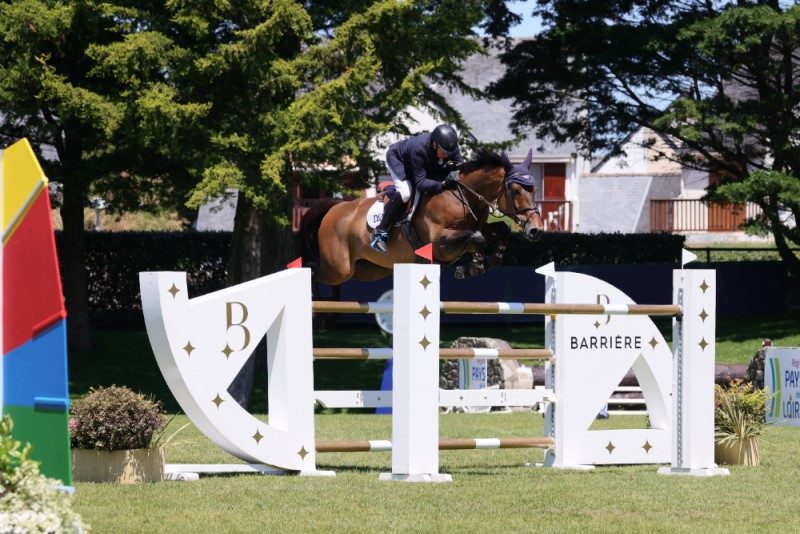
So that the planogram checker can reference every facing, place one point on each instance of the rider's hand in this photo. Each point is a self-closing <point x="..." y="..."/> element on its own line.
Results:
<point x="450" y="165"/>
<point x="451" y="182"/>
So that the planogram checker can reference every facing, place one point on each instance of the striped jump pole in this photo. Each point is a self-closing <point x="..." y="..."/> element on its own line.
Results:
<point x="507" y="308"/>
<point x="444" y="444"/>
<point x="444" y="354"/>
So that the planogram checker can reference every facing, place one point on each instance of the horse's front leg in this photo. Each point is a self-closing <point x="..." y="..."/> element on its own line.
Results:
<point x="453" y="244"/>
<point x="497" y="236"/>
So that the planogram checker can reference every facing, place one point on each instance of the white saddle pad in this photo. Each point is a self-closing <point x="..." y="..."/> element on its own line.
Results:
<point x="375" y="212"/>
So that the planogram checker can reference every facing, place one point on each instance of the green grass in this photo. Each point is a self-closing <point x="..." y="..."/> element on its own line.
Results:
<point x="491" y="490"/>
<point x="125" y="358"/>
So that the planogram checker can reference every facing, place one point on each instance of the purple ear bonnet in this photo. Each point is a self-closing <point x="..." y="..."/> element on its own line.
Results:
<point x="525" y="180"/>
<point x="521" y="174"/>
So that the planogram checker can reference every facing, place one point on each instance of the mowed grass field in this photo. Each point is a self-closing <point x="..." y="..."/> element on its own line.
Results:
<point x="492" y="489"/>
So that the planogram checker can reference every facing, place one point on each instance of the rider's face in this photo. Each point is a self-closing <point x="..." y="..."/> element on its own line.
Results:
<point x="441" y="154"/>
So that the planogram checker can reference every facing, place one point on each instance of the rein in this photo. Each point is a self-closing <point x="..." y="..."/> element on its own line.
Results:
<point x="493" y="206"/>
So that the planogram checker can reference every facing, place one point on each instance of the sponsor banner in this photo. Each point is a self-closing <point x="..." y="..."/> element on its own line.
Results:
<point x="782" y="381"/>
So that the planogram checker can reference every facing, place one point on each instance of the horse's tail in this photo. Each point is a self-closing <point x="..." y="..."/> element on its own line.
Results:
<point x="308" y="236"/>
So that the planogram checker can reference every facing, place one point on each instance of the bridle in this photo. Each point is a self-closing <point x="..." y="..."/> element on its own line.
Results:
<point x="494" y="206"/>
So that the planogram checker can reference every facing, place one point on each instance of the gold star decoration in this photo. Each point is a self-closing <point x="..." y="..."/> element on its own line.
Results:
<point x="302" y="453"/>
<point x="703" y="315"/>
<point x="257" y="436"/>
<point x="174" y="290"/>
<point x="189" y="348"/>
<point x="227" y="351"/>
<point x="653" y="342"/>
<point x="703" y="343"/>
<point x="647" y="447"/>
<point x="424" y="342"/>
<point x="597" y="324"/>
<point x="425" y="282"/>
<point x="424" y="312"/>
<point x="218" y="400"/>
<point x="704" y="286"/>
<point x="610" y="447"/>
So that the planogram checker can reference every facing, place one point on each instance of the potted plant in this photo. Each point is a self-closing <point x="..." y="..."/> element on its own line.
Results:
<point x="114" y="434"/>
<point x="739" y="418"/>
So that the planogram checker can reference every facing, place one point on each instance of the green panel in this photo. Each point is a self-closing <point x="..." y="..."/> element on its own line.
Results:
<point x="48" y="434"/>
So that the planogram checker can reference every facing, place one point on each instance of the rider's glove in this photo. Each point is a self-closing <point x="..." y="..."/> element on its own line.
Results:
<point x="451" y="182"/>
<point x="450" y="165"/>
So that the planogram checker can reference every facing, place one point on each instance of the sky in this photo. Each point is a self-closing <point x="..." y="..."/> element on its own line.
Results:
<point x="530" y="25"/>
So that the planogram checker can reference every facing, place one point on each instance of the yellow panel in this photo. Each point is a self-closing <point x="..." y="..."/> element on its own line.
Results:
<point x="21" y="176"/>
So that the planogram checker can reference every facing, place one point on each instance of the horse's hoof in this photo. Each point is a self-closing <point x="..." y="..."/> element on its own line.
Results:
<point x="460" y="274"/>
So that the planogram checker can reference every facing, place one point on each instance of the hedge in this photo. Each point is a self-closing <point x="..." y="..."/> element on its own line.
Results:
<point x="114" y="260"/>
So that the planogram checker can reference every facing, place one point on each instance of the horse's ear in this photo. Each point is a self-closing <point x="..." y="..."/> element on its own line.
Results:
<point x="528" y="159"/>
<point x="504" y="159"/>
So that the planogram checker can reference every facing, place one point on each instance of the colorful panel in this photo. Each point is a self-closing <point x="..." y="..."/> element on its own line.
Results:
<point x="32" y="298"/>
<point x="33" y="369"/>
<point x="48" y="433"/>
<point x="22" y="176"/>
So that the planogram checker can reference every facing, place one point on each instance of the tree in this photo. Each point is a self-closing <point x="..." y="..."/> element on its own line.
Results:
<point x="719" y="77"/>
<point x="89" y="79"/>
<point x="297" y="91"/>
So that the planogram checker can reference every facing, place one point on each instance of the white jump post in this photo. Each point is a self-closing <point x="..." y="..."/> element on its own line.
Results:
<point x="592" y="353"/>
<point x="201" y="344"/>
<point x="694" y="346"/>
<point x="415" y="382"/>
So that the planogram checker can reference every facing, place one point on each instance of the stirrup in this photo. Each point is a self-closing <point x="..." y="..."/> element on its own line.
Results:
<point x="379" y="241"/>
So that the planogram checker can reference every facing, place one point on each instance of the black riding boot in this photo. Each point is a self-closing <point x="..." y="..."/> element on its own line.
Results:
<point x="380" y="236"/>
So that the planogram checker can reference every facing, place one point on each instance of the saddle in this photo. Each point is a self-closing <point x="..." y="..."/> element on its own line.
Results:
<point x="375" y="214"/>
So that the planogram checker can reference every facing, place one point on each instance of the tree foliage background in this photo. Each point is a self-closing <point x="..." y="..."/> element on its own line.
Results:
<point x="720" y="78"/>
<point x="152" y="104"/>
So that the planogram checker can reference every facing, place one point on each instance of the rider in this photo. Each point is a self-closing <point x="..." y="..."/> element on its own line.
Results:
<point x="426" y="158"/>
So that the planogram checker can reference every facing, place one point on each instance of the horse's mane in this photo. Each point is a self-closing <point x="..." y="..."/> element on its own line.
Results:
<point x="486" y="159"/>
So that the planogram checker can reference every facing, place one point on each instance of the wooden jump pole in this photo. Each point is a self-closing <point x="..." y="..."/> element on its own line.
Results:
<point x="444" y="444"/>
<point x="444" y="354"/>
<point x="508" y="308"/>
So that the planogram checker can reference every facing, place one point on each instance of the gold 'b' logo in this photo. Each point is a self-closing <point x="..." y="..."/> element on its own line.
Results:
<point x="240" y="324"/>
<point x="604" y="299"/>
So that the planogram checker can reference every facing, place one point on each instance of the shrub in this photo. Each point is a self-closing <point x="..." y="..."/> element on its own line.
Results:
<point x="114" y="418"/>
<point x="740" y="411"/>
<point x="29" y="501"/>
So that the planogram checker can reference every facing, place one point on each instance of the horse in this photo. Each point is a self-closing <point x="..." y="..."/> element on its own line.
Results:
<point x="334" y="236"/>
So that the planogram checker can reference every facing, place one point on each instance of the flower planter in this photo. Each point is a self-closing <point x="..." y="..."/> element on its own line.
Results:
<point x="121" y="467"/>
<point x="738" y="452"/>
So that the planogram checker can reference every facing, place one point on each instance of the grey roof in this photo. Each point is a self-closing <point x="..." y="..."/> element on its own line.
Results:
<point x="490" y="120"/>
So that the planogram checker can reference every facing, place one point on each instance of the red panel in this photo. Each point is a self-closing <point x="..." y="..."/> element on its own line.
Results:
<point x="32" y="295"/>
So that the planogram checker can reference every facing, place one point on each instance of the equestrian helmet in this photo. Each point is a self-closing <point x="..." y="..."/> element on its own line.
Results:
<point x="446" y="138"/>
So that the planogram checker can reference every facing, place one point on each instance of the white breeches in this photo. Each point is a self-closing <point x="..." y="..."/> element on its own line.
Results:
<point x="402" y="186"/>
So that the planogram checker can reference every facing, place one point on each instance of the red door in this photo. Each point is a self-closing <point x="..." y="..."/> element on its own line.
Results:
<point x="553" y="195"/>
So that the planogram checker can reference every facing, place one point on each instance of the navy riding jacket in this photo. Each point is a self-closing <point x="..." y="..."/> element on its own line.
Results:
<point x="415" y="158"/>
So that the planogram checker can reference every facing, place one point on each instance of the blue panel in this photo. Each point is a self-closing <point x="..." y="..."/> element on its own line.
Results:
<point x="37" y="369"/>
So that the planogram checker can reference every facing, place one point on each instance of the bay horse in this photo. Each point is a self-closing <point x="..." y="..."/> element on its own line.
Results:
<point x="334" y="236"/>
